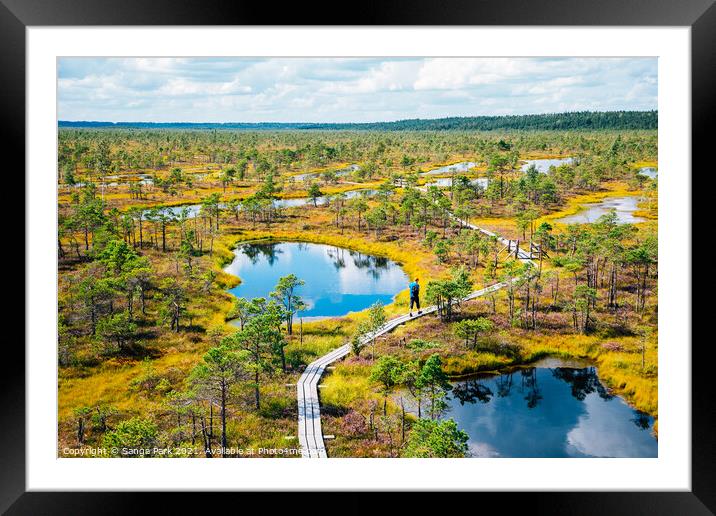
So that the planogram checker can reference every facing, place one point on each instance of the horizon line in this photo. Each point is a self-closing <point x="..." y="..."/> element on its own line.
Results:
<point x="360" y="123"/>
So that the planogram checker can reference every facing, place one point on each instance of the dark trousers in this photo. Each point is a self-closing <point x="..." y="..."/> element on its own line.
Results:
<point x="415" y="300"/>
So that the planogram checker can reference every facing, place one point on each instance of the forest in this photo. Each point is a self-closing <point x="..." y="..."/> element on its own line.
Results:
<point x="156" y="352"/>
<point x="576" y="121"/>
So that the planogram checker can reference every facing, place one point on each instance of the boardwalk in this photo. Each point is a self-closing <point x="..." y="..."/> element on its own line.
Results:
<point x="310" y="434"/>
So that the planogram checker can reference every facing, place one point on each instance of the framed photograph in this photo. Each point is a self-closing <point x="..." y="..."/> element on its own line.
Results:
<point x="426" y="255"/>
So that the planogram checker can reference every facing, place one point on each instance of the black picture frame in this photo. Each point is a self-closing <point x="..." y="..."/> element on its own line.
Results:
<point x="700" y="15"/>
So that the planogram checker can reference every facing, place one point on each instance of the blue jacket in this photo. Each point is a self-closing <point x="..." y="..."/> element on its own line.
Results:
<point x="414" y="289"/>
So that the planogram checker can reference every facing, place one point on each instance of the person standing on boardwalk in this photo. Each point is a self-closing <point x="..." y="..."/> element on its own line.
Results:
<point x="415" y="296"/>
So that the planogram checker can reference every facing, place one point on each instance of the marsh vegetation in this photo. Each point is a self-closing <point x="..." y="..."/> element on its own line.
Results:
<point x="167" y="337"/>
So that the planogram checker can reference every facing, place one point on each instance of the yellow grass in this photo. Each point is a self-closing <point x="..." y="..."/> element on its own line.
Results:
<point x="348" y="384"/>
<point x="645" y="163"/>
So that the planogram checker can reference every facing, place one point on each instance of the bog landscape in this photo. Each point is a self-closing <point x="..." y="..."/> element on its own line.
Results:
<point x="244" y="290"/>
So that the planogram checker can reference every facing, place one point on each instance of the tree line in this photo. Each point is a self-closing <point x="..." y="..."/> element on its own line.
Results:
<point x="585" y="120"/>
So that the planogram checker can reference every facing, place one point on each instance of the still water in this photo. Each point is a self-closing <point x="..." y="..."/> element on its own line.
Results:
<point x="447" y="182"/>
<point x="315" y="175"/>
<point x="543" y="165"/>
<point x="193" y="210"/>
<point x="623" y="206"/>
<point x="126" y="179"/>
<point x="449" y="169"/>
<point x="650" y="172"/>
<point x="549" y="411"/>
<point x="302" y="201"/>
<point x="338" y="281"/>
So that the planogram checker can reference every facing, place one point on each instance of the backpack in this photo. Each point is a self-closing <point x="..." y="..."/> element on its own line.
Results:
<point x="414" y="289"/>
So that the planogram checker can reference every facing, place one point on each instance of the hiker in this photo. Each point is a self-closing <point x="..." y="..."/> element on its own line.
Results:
<point x="415" y="296"/>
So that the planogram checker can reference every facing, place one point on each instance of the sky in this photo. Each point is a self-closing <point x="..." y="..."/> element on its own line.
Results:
<point x="347" y="89"/>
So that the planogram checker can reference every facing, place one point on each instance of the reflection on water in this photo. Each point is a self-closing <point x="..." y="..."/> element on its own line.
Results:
<point x="549" y="412"/>
<point x="188" y="210"/>
<point x="338" y="281"/>
<point x="650" y="172"/>
<point x="624" y="207"/>
<point x="256" y="253"/>
<point x="116" y="180"/>
<point x="127" y="179"/>
<point x="447" y="182"/>
<point x="302" y="201"/>
<point x="440" y="182"/>
<point x="543" y="165"/>
<point x="316" y="175"/>
<point x="449" y="169"/>
<point x="292" y="203"/>
<point x="192" y="210"/>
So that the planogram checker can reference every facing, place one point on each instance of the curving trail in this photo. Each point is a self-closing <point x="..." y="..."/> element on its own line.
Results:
<point x="310" y="434"/>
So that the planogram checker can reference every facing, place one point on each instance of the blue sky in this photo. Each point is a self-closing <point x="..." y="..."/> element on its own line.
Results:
<point x="346" y="90"/>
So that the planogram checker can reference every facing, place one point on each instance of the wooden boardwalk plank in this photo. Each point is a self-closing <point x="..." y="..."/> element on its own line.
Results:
<point x="310" y="433"/>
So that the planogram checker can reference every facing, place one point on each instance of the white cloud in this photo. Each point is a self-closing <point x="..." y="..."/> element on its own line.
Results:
<point x="347" y="89"/>
<point x="388" y="76"/>
<point x="456" y="73"/>
<point x="177" y="87"/>
<point x="547" y="87"/>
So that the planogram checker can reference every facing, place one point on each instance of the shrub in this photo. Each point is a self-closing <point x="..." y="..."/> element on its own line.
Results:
<point x="354" y="424"/>
<point x="434" y="438"/>
<point x="420" y="344"/>
<point x="134" y="437"/>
